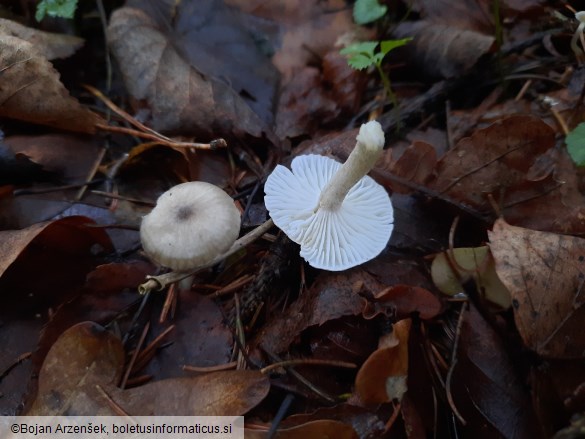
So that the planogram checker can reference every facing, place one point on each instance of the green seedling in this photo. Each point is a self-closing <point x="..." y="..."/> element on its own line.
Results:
<point x="575" y="141"/>
<point x="367" y="11"/>
<point x="363" y="55"/>
<point x="56" y="8"/>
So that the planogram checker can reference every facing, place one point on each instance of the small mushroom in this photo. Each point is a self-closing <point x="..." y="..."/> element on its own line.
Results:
<point x="191" y="224"/>
<point x="340" y="217"/>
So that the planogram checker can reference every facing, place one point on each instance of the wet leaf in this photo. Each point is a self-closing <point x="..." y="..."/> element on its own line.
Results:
<point x="32" y="91"/>
<point x="67" y="235"/>
<point x="84" y="357"/>
<point x="49" y="45"/>
<point x="544" y="273"/>
<point x="86" y="362"/>
<point x="403" y="300"/>
<point x="415" y="165"/>
<point x="453" y="268"/>
<point x="320" y="428"/>
<point x="444" y="51"/>
<point x="200" y="338"/>
<point x="181" y="96"/>
<point x="382" y="378"/>
<point x="332" y="296"/>
<point x="232" y="392"/>
<point x="486" y="385"/>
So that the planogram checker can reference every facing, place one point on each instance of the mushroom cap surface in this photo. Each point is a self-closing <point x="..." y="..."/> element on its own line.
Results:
<point x="331" y="240"/>
<point x="191" y="224"/>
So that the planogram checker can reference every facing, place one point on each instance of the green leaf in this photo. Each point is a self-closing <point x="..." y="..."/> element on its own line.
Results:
<point x="359" y="61"/>
<point x="575" y="141"/>
<point x="360" y="55"/>
<point x="56" y="8"/>
<point x="388" y="45"/>
<point x="366" y="11"/>
<point x="366" y="48"/>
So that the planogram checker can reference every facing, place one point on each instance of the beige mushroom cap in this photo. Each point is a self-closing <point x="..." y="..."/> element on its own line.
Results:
<point x="191" y="224"/>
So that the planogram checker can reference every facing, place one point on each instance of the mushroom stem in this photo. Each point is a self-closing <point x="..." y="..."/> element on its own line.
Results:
<point x="158" y="283"/>
<point x="369" y="146"/>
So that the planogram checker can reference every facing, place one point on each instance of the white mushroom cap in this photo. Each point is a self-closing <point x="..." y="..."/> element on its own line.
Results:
<point x="332" y="240"/>
<point x="191" y="225"/>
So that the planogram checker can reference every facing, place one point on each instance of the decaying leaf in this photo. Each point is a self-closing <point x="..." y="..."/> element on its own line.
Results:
<point x="84" y="365"/>
<point x="85" y="356"/>
<point x="31" y="90"/>
<point x="441" y="50"/>
<point x="68" y="234"/>
<point x="180" y="96"/>
<point x="382" y="377"/>
<point x="415" y="165"/>
<point x="545" y="274"/>
<point x="486" y="387"/>
<point x="452" y="268"/>
<point x="321" y="428"/>
<point x="47" y="44"/>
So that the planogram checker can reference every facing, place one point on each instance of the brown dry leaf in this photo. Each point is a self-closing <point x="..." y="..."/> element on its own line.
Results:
<point x="304" y="105"/>
<point x="180" y="97"/>
<point x="31" y="90"/>
<point x="86" y="355"/>
<point x="66" y="235"/>
<point x="367" y="423"/>
<point x="333" y="295"/>
<point x="310" y="28"/>
<point x="382" y="378"/>
<point x="463" y="14"/>
<point x="229" y="393"/>
<point x="486" y="387"/>
<point x="443" y="51"/>
<point x="403" y="300"/>
<point x="314" y="429"/>
<point x="415" y="165"/>
<point x="47" y="44"/>
<point x="495" y="157"/>
<point x="545" y="273"/>
<point x="86" y="362"/>
<point x="200" y="338"/>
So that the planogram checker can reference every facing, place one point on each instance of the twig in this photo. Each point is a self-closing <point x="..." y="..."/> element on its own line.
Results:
<point x="453" y="364"/>
<point x="226" y="366"/>
<point x="158" y="283"/>
<point x="134" y="356"/>
<point x="113" y="405"/>
<point x="311" y="361"/>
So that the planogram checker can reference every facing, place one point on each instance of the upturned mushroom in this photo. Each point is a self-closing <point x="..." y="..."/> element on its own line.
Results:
<point x="340" y="217"/>
<point x="191" y="225"/>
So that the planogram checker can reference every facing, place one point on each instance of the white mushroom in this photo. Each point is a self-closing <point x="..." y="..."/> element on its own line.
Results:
<point x="340" y="217"/>
<point x="191" y="225"/>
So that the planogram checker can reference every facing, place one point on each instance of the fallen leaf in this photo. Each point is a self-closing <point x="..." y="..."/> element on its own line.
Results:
<point x="47" y="44"/>
<point x="85" y="356"/>
<point x="441" y="50"/>
<point x="486" y="387"/>
<point x="229" y="393"/>
<point x="316" y="429"/>
<point x="332" y="296"/>
<point x="462" y="14"/>
<point x="453" y="268"/>
<point x="86" y="362"/>
<point x="201" y="337"/>
<point x="382" y="378"/>
<point x="544" y="273"/>
<point x="32" y="92"/>
<point x="68" y="235"/>
<point x="415" y="165"/>
<point x="366" y="423"/>
<point x="180" y="97"/>
<point x="403" y="300"/>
